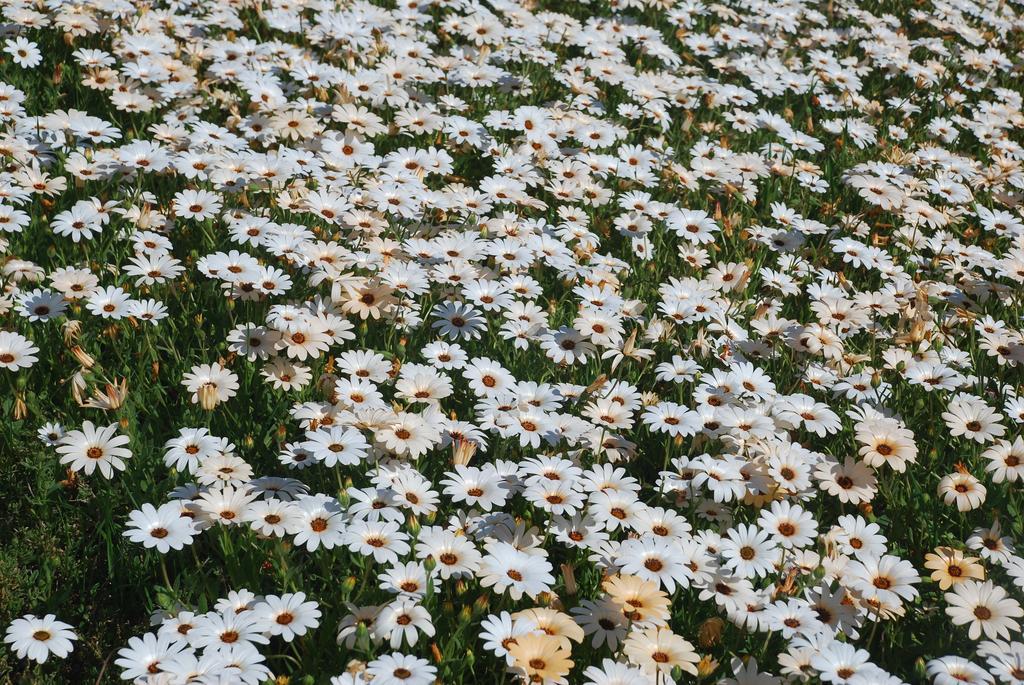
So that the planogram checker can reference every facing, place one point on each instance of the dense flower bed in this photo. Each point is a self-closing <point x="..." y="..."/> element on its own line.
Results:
<point x="615" y="343"/>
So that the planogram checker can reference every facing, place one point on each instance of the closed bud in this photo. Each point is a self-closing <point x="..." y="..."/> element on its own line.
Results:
<point x="362" y="636"/>
<point x="462" y="451"/>
<point x="70" y="329"/>
<point x="920" y="670"/>
<point x="569" y="577"/>
<point x="208" y="396"/>
<point x="20" y="408"/>
<point x="78" y="387"/>
<point x="710" y="632"/>
<point x="596" y="384"/>
<point x="325" y="385"/>
<point x="83" y="357"/>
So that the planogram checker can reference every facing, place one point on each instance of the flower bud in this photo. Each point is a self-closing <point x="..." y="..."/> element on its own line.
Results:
<point x="706" y="666"/>
<point x="83" y="357"/>
<point x="20" y="408"/>
<point x="208" y="396"/>
<point x="569" y="577"/>
<point x="710" y="631"/>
